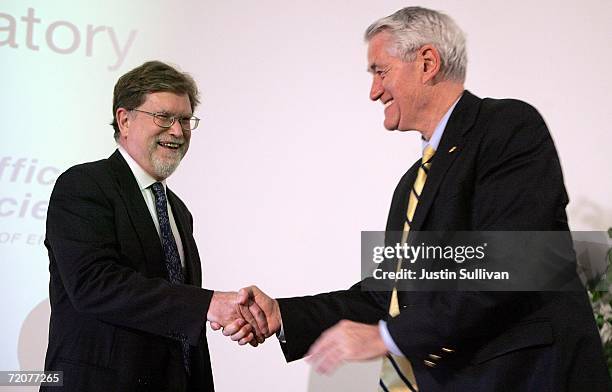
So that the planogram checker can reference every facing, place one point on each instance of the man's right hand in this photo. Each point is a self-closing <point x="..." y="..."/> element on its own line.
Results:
<point x="257" y="306"/>
<point x="258" y="301"/>
<point x="245" y="324"/>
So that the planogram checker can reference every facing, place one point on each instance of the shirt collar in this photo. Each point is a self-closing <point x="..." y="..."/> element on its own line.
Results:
<point x="143" y="178"/>
<point x="434" y="141"/>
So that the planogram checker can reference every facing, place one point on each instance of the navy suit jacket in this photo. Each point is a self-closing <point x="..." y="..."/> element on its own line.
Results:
<point x="502" y="175"/>
<point x="114" y="315"/>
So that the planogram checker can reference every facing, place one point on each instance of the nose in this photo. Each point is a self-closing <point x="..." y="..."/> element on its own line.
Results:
<point x="377" y="89"/>
<point x="176" y="130"/>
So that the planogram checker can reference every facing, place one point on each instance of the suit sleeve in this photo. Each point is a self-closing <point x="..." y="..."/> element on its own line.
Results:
<point x="305" y="318"/>
<point x="519" y="180"/>
<point x="518" y="186"/>
<point x="85" y="251"/>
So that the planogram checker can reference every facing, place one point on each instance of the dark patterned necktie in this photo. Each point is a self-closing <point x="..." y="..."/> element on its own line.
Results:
<point x="173" y="260"/>
<point x="171" y="255"/>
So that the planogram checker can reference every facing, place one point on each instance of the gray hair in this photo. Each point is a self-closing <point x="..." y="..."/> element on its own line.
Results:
<point x="413" y="27"/>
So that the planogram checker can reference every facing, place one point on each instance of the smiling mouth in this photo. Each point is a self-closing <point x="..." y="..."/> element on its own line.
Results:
<point x="388" y="103"/>
<point x="170" y="145"/>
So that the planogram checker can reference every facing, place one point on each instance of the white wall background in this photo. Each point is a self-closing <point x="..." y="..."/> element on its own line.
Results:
<point x="291" y="160"/>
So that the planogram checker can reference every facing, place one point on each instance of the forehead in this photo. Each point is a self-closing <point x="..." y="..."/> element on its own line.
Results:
<point x="380" y="49"/>
<point x="168" y="102"/>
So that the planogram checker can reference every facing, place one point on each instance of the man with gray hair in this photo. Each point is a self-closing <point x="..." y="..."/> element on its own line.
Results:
<point x="487" y="165"/>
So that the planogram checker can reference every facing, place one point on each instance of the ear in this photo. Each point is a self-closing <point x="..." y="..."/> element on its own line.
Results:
<point x="430" y="61"/>
<point x="123" y="121"/>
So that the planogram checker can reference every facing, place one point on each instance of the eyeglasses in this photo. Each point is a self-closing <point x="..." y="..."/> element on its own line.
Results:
<point x="166" y="121"/>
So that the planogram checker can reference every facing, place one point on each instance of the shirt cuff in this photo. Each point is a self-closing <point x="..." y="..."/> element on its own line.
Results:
<point x="281" y="334"/>
<point x="387" y="339"/>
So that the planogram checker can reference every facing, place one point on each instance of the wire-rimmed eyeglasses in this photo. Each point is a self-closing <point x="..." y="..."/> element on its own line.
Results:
<point x="165" y="120"/>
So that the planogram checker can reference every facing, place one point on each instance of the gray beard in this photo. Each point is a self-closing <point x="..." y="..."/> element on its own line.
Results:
<point x="163" y="168"/>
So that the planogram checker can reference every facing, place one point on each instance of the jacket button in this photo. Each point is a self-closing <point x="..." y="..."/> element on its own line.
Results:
<point x="448" y="350"/>
<point x="429" y="363"/>
<point x="434" y="357"/>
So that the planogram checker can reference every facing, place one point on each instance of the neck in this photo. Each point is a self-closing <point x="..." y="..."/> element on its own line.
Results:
<point x="442" y="97"/>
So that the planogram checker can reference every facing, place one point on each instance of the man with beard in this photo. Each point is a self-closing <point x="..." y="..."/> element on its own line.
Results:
<point x="127" y="307"/>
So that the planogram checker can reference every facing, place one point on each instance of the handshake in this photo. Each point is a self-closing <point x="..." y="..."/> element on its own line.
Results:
<point x="251" y="316"/>
<point x="247" y="316"/>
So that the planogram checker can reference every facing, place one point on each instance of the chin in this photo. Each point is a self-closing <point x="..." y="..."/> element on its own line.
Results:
<point x="391" y="124"/>
<point x="164" y="168"/>
<point x="390" y="127"/>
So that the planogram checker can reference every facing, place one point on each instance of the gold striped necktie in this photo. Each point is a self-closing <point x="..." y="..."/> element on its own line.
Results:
<point x="396" y="374"/>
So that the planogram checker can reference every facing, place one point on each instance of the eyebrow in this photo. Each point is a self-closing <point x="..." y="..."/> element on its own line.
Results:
<point x="372" y="68"/>
<point x="168" y="113"/>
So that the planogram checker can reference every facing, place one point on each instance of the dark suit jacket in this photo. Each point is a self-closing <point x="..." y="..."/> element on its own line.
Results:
<point x="114" y="315"/>
<point x="503" y="175"/>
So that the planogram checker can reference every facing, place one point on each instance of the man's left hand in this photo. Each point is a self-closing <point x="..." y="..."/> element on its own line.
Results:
<point x="345" y="341"/>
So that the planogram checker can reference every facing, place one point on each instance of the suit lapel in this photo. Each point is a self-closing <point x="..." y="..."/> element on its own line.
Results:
<point x="460" y="122"/>
<point x="399" y="206"/>
<point x="139" y="215"/>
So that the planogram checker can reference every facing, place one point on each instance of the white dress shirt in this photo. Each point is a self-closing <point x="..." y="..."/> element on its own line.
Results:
<point x="145" y="180"/>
